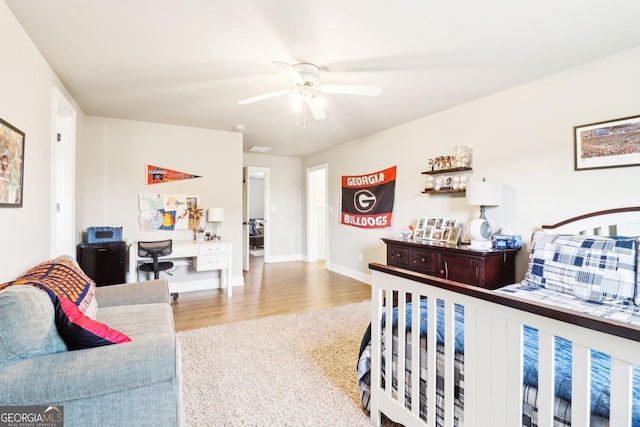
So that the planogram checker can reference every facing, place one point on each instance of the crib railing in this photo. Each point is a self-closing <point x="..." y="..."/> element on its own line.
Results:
<point x="493" y="355"/>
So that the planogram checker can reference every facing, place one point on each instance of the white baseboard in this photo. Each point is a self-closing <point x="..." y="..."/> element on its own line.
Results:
<point x="284" y="258"/>
<point x="357" y="275"/>
<point x="182" y="286"/>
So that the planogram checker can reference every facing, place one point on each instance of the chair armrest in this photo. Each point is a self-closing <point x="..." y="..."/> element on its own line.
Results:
<point x="79" y="374"/>
<point x="147" y="292"/>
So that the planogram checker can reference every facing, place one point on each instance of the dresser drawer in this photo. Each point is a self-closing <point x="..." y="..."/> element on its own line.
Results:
<point x="425" y="262"/>
<point x="210" y="262"/>
<point x="397" y="256"/>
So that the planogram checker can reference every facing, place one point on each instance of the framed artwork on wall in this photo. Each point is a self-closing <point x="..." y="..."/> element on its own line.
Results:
<point x="610" y="144"/>
<point x="11" y="165"/>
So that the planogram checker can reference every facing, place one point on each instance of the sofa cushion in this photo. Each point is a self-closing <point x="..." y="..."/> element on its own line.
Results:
<point x="139" y="320"/>
<point x="592" y="268"/>
<point x="28" y="326"/>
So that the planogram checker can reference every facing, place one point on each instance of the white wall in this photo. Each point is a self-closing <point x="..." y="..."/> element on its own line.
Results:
<point x="521" y="137"/>
<point x="111" y="173"/>
<point x="26" y="84"/>
<point x="286" y="200"/>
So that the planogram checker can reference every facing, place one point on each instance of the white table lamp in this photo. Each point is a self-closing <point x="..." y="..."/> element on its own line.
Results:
<point x="216" y="216"/>
<point x="482" y="194"/>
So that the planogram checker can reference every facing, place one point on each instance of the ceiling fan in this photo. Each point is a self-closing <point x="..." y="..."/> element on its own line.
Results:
<point x="306" y="77"/>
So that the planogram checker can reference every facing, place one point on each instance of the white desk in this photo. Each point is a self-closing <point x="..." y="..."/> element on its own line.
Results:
<point x="208" y="255"/>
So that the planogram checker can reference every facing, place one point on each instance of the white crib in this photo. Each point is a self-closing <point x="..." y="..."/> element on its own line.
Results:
<point x="493" y="350"/>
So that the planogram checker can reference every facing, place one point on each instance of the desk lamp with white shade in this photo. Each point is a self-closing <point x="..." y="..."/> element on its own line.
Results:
<point x="482" y="194"/>
<point x="216" y="216"/>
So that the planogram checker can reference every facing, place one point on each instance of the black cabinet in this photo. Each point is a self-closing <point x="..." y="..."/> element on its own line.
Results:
<point x="103" y="262"/>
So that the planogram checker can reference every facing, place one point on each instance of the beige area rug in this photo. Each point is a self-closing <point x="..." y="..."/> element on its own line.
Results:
<point x="294" y="370"/>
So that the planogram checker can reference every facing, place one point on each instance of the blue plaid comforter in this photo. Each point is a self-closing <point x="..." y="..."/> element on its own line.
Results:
<point x="600" y="369"/>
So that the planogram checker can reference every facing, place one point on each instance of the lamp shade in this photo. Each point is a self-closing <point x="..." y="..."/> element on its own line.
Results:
<point x="215" y="214"/>
<point x="484" y="193"/>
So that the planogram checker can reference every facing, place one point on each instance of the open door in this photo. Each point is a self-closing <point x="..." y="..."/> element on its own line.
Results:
<point x="245" y="218"/>
<point x="63" y="177"/>
<point x="317" y="215"/>
<point x="255" y="207"/>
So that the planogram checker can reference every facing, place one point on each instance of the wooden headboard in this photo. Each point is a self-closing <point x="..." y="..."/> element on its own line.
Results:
<point x="611" y="222"/>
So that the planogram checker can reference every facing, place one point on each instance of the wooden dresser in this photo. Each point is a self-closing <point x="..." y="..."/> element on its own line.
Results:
<point x="488" y="269"/>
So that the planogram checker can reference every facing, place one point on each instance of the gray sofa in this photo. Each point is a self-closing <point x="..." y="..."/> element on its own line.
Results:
<point x="137" y="383"/>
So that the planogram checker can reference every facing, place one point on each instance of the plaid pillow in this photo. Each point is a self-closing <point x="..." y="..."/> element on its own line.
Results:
<point x="592" y="268"/>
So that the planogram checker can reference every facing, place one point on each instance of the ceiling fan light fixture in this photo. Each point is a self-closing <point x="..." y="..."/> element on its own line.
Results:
<point x="296" y="101"/>
<point x="306" y="79"/>
<point x="319" y="100"/>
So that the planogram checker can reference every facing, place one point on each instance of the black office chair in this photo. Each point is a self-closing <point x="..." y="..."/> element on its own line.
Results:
<point x="154" y="250"/>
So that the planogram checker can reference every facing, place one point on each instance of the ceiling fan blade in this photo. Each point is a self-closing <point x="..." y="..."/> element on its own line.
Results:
<point x="293" y="74"/>
<point x="352" y="89"/>
<point x="316" y="109"/>
<point x="264" y="96"/>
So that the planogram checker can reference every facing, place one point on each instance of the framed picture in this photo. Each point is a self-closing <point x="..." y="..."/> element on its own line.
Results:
<point x="610" y="144"/>
<point x="446" y="231"/>
<point x="422" y="222"/>
<point x="454" y="235"/>
<point x="427" y="232"/>
<point x="450" y="222"/>
<point x="436" y="235"/>
<point x="418" y="233"/>
<point x="11" y="165"/>
<point x="439" y="223"/>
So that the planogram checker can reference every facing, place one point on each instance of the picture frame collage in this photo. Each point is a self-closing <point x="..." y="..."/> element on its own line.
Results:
<point x="438" y="229"/>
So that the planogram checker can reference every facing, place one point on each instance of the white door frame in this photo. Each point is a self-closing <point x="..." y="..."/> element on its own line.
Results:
<point x="315" y="233"/>
<point x="63" y="172"/>
<point x="246" y="191"/>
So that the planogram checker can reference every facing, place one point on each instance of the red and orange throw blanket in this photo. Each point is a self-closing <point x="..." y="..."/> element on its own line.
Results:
<point x="71" y="291"/>
<point x="60" y="278"/>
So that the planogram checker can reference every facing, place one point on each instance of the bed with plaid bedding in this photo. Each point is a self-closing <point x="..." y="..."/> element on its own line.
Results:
<point x="600" y="368"/>
<point x="561" y="346"/>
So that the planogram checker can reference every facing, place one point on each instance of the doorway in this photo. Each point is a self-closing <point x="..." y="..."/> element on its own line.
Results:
<point x="317" y="218"/>
<point x="255" y="216"/>
<point x="64" y="174"/>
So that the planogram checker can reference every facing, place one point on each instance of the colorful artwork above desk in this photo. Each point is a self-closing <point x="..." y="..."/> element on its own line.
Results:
<point x="167" y="211"/>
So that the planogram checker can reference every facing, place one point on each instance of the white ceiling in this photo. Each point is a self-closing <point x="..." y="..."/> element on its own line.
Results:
<point x="187" y="62"/>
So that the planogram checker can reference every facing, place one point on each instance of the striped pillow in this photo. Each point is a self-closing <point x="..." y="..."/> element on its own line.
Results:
<point x="591" y="268"/>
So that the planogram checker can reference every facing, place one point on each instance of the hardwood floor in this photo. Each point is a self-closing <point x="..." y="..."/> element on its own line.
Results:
<point x="270" y="289"/>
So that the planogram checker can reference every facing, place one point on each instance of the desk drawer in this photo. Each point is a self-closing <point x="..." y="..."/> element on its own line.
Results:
<point x="212" y="249"/>
<point x="210" y="262"/>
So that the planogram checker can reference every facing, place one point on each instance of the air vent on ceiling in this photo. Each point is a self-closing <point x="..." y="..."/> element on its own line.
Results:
<point x="257" y="149"/>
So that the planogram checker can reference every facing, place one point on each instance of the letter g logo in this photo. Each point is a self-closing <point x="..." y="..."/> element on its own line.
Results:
<point x="364" y="200"/>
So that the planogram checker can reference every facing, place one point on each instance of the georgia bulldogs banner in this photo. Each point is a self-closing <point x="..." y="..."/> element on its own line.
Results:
<point x="367" y="200"/>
